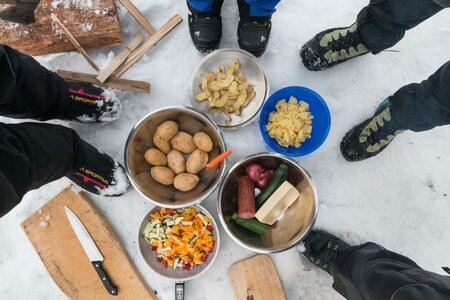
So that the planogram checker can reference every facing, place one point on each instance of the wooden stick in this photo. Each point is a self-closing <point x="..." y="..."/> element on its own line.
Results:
<point x="112" y="82"/>
<point x="120" y="58"/>
<point x="74" y="41"/>
<point x="138" y="16"/>
<point x="153" y="40"/>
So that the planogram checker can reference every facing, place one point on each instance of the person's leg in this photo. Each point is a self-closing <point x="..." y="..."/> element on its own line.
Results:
<point x="33" y="154"/>
<point x="205" y="24"/>
<point x="201" y="5"/>
<point x="423" y="106"/>
<point x="417" y="107"/>
<point x="31" y="91"/>
<point x="255" y="24"/>
<point x="379" y="26"/>
<point x="371" y="272"/>
<point x="383" y="23"/>
<point x="262" y="8"/>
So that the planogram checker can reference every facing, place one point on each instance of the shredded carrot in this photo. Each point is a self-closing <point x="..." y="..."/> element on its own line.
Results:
<point x="219" y="159"/>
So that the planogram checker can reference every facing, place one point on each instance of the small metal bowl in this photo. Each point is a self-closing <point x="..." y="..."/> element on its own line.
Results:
<point x="256" y="77"/>
<point x="291" y="227"/>
<point x="145" y="250"/>
<point x="138" y="169"/>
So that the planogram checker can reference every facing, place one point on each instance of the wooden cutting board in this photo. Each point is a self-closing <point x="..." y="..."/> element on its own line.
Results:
<point x="256" y="278"/>
<point x="54" y="240"/>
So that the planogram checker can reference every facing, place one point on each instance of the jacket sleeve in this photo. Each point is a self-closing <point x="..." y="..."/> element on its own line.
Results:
<point x="419" y="291"/>
<point x="9" y="197"/>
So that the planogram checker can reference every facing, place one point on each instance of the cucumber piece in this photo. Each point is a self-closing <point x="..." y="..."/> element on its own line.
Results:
<point x="278" y="178"/>
<point x="251" y="224"/>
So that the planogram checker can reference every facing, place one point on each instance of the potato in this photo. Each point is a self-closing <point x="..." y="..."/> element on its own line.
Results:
<point x="163" y="175"/>
<point x="155" y="157"/>
<point x="196" y="161"/>
<point x="203" y="141"/>
<point x="183" y="142"/>
<point x="176" y="161"/>
<point x="163" y="134"/>
<point x="185" y="182"/>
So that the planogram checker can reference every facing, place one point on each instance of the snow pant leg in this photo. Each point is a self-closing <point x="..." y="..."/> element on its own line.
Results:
<point x="423" y="106"/>
<point x="200" y="5"/>
<point x="262" y="8"/>
<point x="443" y="3"/>
<point x="33" y="154"/>
<point x="371" y="272"/>
<point x="383" y="22"/>
<point x="28" y="90"/>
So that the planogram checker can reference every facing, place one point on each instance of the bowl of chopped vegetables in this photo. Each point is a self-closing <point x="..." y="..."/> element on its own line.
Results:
<point x="295" y="121"/>
<point x="267" y="203"/>
<point x="179" y="244"/>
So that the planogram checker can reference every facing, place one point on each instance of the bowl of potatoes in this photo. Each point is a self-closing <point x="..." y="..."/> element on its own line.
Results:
<point x="166" y="156"/>
<point x="230" y="86"/>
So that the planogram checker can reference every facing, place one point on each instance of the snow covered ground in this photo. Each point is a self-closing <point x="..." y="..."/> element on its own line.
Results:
<point x="399" y="199"/>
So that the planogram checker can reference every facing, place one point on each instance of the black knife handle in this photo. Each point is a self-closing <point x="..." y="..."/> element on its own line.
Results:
<point x="104" y="278"/>
<point x="179" y="290"/>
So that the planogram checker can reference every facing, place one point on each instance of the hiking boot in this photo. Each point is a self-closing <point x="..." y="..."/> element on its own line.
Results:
<point x="322" y="249"/>
<point x="100" y="174"/>
<point x="332" y="47"/>
<point x="253" y="32"/>
<point x="205" y="28"/>
<point x="91" y="104"/>
<point x="371" y="136"/>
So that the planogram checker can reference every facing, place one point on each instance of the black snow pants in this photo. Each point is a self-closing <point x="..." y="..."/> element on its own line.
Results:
<point x="370" y="272"/>
<point x="382" y="24"/>
<point x="33" y="154"/>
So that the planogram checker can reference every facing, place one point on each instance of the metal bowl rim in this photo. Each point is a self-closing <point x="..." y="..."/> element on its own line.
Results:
<point x="216" y="252"/>
<point x="131" y="135"/>
<point x="260" y="66"/>
<point x="255" y="249"/>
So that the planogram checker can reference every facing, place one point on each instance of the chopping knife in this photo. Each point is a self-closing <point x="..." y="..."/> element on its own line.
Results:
<point x="91" y="249"/>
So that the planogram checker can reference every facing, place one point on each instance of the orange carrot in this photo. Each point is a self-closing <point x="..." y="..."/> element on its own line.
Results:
<point x="218" y="159"/>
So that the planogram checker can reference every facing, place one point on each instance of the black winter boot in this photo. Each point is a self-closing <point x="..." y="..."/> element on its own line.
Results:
<point x="322" y="248"/>
<point x="100" y="174"/>
<point x="371" y="136"/>
<point x="253" y="32"/>
<point x="91" y="104"/>
<point x="205" y="28"/>
<point x="332" y="47"/>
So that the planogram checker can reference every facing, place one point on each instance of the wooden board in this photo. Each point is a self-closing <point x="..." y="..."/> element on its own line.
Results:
<point x="111" y="82"/>
<point x="256" y="278"/>
<point x="94" y="26"/>
<point x="65" y="259"/>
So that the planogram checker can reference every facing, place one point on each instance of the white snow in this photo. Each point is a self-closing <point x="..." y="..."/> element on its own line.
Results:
<point x="400" y="199"/>
<point x="82" y="4"/>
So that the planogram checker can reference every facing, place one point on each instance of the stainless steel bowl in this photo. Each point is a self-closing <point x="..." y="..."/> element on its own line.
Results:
<point x="256" y="76"/>
<point x="141" y="138"/>
<point x="145" y="249"/>
<point x="291" y="227"/>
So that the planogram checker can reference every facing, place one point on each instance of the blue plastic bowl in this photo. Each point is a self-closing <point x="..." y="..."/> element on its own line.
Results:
<point x="318" y="108"/>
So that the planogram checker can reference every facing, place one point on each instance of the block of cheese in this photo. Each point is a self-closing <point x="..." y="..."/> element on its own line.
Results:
<point x="277" y="204"/>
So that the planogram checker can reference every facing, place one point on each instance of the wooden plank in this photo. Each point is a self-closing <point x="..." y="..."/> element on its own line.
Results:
<point x="153" y="40"/>
<point x="112" y="82"/>
<point x="138" y="16"/>
<point x="120" y="58"/>
<point x="256" y="278"/>
<point x="74" y="42"/>
<point x="54" y="240"/>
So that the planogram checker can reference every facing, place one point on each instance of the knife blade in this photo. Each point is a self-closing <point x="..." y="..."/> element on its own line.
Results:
<point x="91" y="249"/>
